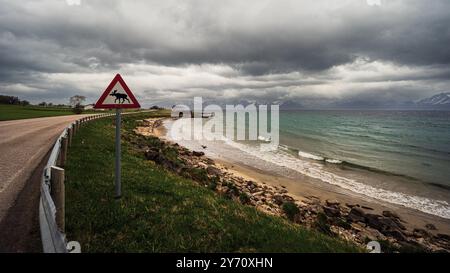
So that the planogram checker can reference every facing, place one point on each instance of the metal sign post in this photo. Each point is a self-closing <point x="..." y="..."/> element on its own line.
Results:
<point x="118" y="154"/>
<point x="117" y="95"/>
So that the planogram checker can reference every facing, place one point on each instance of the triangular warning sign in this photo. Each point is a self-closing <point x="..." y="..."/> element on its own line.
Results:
<point x="117" y="95"/>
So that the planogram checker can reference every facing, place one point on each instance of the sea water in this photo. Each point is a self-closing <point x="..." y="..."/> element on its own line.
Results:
<point x="399" y="157"/>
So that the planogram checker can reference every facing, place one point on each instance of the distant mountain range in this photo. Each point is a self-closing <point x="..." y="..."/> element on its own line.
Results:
<point x="439" y="101"/>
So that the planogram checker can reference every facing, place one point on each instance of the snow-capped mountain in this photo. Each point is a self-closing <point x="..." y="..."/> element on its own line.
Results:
<point x="441" y="100"/>
<point x="290" y="105"/>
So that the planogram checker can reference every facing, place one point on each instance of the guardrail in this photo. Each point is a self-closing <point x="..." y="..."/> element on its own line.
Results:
<point x="51" y="204"/>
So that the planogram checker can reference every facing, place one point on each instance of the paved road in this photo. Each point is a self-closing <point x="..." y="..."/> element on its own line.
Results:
<point x="23" y="146"/>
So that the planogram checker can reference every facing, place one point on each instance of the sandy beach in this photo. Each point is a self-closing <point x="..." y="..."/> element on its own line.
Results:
<point x="302" y="190"/>
<point x="305" y="188"/>
<point x="308" y="191"/>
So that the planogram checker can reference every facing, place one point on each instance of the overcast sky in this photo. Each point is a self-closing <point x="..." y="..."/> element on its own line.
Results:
<point x="314" y="52"/>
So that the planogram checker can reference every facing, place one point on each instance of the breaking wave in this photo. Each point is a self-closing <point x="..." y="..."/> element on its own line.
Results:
<point x="313" y="166"/>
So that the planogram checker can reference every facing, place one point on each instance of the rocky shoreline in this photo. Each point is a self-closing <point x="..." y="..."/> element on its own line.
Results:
<point x="352" y="222"/>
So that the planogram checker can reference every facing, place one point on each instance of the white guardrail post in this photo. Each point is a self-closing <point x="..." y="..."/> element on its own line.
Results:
<point x="52" y="201"/>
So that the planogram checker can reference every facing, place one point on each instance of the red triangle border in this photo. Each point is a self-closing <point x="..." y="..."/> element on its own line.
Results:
<point x="99" y="104"/>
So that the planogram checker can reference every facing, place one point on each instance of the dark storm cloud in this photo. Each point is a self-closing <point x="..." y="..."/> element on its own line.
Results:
<point x="251" y="40"/>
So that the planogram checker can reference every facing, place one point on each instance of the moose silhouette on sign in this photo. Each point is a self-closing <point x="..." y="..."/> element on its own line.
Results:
<point x="121" y="97"/>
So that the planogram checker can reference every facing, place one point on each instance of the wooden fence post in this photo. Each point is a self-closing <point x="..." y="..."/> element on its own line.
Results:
<point x="69" y="134"/>
<point x="74" y="128"/>
<point x="63" y="151"/>
<point x="58" y="196"/>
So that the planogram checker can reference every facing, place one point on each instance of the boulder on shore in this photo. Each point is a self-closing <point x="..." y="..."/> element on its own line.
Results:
<point x="356" y="215"/>
<point x="213" y="171"/>
<point x="332" y="203"/>
<point x="390" y="214"/>
<point x="196" y="153"/>
<point x="331" y="211"/>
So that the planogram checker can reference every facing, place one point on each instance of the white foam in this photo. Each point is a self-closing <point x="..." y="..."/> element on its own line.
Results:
<point x="333" y="161"/>
<point x="310" y="156"/>
<point x="316" y="170"/>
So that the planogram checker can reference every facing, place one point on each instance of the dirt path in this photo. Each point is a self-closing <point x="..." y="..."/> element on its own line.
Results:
<point x="24" y="145"/>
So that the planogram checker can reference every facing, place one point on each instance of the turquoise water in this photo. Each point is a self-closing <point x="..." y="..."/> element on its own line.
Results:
<point x="414" y="144"/>
<point x="398" y="157"/>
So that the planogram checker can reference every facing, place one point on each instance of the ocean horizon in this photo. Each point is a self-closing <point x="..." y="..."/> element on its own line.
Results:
<point x="397" y="156"/>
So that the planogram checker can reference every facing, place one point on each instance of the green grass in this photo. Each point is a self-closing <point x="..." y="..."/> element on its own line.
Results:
<point x="163" y="212"/>
<point x="13" y="112"/>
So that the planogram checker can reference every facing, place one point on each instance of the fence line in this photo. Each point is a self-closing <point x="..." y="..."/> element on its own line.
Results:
<point x="51" y="213"/>
<point x="53" y="237"/>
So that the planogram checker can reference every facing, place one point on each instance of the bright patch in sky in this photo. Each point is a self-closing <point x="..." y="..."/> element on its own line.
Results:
<point x="374" y="2"/>
<point x="73" y="2"/>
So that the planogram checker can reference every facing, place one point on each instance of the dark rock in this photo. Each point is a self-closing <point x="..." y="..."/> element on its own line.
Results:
<point x="204" y="146"/>
<point x="400" y="225"/>
<point x="315" y="209"/>
<point x="351" y="205"/>
<point x="390" y="214"/>
<point x="185" y="152"/>
<point x="356" y="215"/>
<point x="251" y="185"/>
<point x="373" y="221"/>
<point x="408" y="233"/>
<point x="209" y="161"/>
<point x="331" y="211"/>
<point x="341" y="222"/>
<point x="152" y="154"/>
<point x="383" y="223"/>
<point x="278" y="199"/>
<point x="183" y="170"/>
<point x="366" y="207"/>
<point x="430" y="227"/>
<point x="169" y="164"/>
<point x="288" y="198"/>
<point x="395" y="234"/>
<point x="370" y="233"/>
<point x="412" y="246"/>
<point x="196" y="153"/>
<point x="420" y="233"/>
<point x="299" y="218"/>
<point x="332" y="203"/>
<point x="444" y="237"/>
<point x="213" y="171"/>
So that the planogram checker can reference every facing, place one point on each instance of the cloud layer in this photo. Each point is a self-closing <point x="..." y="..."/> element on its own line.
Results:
<point x="315" y="52"/>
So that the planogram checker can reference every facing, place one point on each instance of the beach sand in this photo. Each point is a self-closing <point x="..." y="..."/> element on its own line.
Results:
<point x="303" y="189"/>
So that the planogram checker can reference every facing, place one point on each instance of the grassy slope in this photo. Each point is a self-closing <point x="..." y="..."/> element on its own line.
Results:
<point x="12" y="112"/>
<point x="162" y="212"/>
